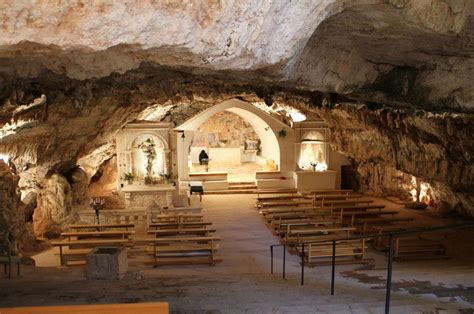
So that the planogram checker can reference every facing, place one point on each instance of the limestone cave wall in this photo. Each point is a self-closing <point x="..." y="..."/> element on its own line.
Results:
<point x="396" y="151"/>
<point x="394" y="80"/>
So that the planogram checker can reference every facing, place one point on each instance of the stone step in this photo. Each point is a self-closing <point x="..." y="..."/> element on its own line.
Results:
<point x="243" y="187"/>
<point x="241" y="183"/>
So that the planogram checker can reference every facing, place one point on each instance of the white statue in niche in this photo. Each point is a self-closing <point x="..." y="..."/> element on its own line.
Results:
<point x="148" y="148"/>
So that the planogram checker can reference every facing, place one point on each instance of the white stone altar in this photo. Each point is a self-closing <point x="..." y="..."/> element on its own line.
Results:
<point x="225" y="155"/>
<point x="316" y="180"/>
<point x="133" y="159"/>
<point x="139" y="197"/>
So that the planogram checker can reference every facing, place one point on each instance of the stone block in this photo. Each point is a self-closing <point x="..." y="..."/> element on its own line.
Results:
<point x="106" y="263"/>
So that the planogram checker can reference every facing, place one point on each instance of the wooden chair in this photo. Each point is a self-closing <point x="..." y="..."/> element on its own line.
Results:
<point x="6" y="256"/>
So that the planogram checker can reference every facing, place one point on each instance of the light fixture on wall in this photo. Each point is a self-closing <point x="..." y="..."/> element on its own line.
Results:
<point x="182" y="135"/>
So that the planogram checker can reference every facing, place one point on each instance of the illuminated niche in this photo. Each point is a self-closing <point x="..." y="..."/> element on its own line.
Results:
<point x="313" y="152"/>
<point x="147" y="156"/>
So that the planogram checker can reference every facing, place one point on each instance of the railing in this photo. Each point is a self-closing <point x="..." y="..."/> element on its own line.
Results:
<point x="391" y="235"/>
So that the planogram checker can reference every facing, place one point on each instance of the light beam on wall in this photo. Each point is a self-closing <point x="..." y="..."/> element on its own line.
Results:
<point x="5" y="158"/>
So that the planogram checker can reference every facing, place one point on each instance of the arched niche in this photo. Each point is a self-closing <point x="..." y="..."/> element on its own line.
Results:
<point x="266" y="127"/>
<point x="147" y="155"/>
<point x="313" y="151"/>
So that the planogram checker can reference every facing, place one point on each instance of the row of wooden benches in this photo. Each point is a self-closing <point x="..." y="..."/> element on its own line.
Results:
<point x="169" y="237"/>
<point x="186" y="240"/>
<point x="333" y="215"/>
<point x="301" y="220"/>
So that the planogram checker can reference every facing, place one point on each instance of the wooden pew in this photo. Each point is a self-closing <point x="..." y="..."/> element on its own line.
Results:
<point x="374" y="225"/>
<point x="349" y="202"/>
<point x="420" y="247"/>
<point x="328" y="192"/>
<point x="286" y="228"/>
<point x="314" y="214"/>
<point x="336" y="197"/>
<point x="78" y="249"/>
<point x="98" y="234"/>
<point x="181" y="231"/>
<point x="285" y="203"/>
<point x="272" y="212"/>
<point x="177" y="218"/>
<point x="347" y="252"/>
<point x="276" y="191"/>
<point x="103" y="226"/>
<point x="185" y="250"/>
<point x="280" y="224"/>
<point x="282" y="197"/>
<point x="299" y="209"/>
<point x="312" y="234"/>
<point x="353" y="214"/>
<point x="175" y="225"/>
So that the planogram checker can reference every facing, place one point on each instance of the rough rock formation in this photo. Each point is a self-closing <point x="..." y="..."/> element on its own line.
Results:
<point x="72" y="74"/>
<point x="388" y="144"/>
<point x="352" y="47"/>
<point x="12" y="217"/>
<point x="54" y="207"/>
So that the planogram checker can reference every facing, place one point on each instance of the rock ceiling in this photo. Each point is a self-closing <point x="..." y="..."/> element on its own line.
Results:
<point x="394" y="78"/>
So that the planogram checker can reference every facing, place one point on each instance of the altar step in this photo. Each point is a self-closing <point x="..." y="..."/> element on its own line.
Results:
<point x="236" y="188"/>
<point x="242" y="186"/>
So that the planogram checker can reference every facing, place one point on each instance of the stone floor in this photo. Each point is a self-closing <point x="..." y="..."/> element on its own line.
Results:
<point x="243" y="283"/>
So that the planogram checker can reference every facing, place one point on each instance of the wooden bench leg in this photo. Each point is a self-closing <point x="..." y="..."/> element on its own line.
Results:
<point x="363" y="247"/>
<point x="397" y="246"/>
<point x="212" y="254"/>
<point x="61" y="255"/>
<point x="154" y="253"/>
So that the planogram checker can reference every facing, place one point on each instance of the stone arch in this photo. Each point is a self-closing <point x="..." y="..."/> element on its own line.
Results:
<point x="149" y="133"/>
<point x="267" y="128"/>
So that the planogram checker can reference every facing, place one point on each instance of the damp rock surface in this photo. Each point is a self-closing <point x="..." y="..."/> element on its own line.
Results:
<point x="393" y="79"/>
<point x="413" y="52"/>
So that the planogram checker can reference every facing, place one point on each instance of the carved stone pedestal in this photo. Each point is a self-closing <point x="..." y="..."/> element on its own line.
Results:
<point x="140" y="197"/>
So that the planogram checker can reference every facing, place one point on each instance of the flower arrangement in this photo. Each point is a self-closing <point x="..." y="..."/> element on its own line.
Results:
<point x="282" y="133"/>
<point x="128" y="176"/>
<point x="165" y="176"/>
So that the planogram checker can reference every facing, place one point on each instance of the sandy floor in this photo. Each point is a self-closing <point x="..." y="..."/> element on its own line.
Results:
<point x="243" y="283"/>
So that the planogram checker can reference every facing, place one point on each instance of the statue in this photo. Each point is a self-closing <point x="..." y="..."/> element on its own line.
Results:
<point x="148" y="148"/>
